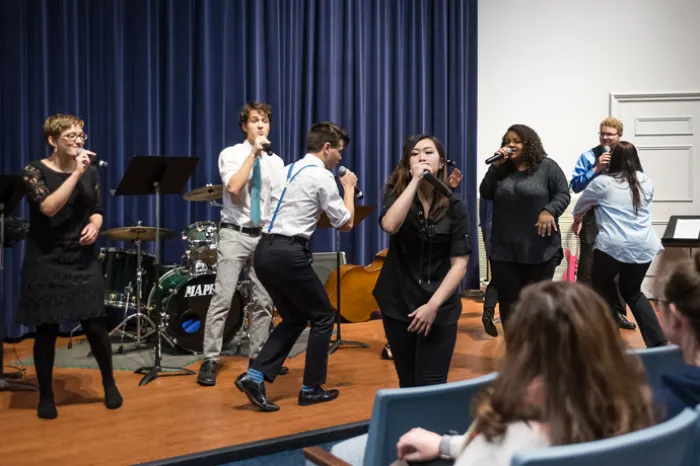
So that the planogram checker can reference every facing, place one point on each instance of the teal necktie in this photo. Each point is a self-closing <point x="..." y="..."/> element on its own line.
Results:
<point x="255" y="193"/>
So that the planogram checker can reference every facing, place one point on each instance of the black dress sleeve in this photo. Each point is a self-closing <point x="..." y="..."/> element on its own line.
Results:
<point x="493" y="176"/>
<point x="34" y="183"/>
<point x="460" y="239"/>
<point x="387" y="202"/>
<point x="558" y="191"/>
<point x="96" y="207"/>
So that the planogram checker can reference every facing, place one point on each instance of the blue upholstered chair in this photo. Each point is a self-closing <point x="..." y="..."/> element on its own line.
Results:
<point x="438" y="408"/>
<point x="665" y="444"/>
<point x="657" y="360"/>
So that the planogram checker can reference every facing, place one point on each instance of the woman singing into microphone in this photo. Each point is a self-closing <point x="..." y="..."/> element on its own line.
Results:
<point x="427" y="258"/>
<point x="529" y="192"/>
<point x="61" y="276"/>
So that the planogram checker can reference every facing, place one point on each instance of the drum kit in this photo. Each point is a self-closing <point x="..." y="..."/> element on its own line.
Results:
<point x="185" y="290"/>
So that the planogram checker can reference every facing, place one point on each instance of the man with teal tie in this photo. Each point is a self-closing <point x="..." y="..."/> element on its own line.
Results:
<point x="248" y="171"/>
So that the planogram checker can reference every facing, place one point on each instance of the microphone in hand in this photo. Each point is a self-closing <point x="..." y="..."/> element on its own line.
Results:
<point x="341" y="173"/>
<point x="498" y="156"/>
<point x="437" y="184"/>
<point x="94" y="160"/>
<point x="267" y="147"/>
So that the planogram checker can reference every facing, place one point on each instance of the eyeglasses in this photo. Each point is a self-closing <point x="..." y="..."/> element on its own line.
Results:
<point x="610" y="135"/>
<point x="71" y="137"/>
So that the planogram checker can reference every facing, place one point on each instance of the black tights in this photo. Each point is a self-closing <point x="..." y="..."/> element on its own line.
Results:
<point x="45" y="352"/>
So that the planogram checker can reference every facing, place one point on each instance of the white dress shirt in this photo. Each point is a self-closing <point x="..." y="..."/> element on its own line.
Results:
<point x="237" y="208"/>
<point x="311" y="191"/>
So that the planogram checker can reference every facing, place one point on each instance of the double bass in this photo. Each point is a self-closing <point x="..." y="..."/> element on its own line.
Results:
<point x="356" y="284"/>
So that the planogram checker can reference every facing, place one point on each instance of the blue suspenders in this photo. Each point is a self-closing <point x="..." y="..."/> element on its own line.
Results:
<point x="290" y="178"/>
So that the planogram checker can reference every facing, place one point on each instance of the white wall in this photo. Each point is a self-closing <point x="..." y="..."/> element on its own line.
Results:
<point x="551" y="64"/>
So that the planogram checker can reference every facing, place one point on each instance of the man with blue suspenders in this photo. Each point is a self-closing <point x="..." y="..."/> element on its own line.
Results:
<point x="248" y="172"/>
<point x="283" y="264"/>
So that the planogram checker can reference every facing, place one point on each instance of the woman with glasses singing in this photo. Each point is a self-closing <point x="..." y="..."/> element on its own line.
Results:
<point x="61" y="276"/>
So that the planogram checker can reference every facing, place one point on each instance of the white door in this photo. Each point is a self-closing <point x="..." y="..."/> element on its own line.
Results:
<point x="665" y="128"/>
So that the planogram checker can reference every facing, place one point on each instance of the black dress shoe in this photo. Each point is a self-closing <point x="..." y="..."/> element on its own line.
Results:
<point x="489" y="322"/>
<point x="624" y="323"/>
<point x="207" y="373"/>
<point x="319" y="395"/>
<point x="255" y="391"/>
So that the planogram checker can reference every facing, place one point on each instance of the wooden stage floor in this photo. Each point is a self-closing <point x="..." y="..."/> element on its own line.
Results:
<point x="175" y="416"/>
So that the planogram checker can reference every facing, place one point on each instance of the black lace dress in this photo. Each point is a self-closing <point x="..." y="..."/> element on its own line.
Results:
<point x="61" y="279"/>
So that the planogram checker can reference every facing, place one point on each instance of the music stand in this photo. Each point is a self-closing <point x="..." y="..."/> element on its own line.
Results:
<point x="672" y="240"/>
<point x="154" y="175"/>
<point x="361" y="212"/>
<point x="11" y="192"/>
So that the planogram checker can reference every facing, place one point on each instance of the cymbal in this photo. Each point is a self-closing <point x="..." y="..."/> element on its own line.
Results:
<point x="208" y="193"/>
<point x="137" y="233"/>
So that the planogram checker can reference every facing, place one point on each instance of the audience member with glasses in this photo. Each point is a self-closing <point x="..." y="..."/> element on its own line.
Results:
<point x="680" y="318"/>
<point x="61" y="276"/>
<point x="590" y="164"/>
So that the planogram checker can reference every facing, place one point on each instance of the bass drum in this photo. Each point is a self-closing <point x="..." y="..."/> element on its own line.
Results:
<point x="185" y="301"/>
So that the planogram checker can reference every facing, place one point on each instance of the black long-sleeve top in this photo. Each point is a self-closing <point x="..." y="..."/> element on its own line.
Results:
<point x="419" y="258"/>
<point x="518" y="199"/>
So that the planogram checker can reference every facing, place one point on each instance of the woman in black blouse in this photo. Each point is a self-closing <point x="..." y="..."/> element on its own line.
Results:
<point x="529" y="193"/>
<point x="427" y="258"/>
<point x="61" y="276"/>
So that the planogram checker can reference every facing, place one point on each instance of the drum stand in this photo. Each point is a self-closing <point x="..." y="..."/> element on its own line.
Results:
<point x="244" y="285"/>
<point x="128" y="291"/>
<point x="138" y="315"/>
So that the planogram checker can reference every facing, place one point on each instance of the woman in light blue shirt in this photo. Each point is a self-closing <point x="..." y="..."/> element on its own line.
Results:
<point x="626" y="243"/>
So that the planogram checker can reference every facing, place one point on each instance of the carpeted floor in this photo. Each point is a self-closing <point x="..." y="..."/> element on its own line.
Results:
<point x="136" y="356"/>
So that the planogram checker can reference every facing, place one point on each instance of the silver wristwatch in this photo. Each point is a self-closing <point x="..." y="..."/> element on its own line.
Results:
<point x="445" y="448"/>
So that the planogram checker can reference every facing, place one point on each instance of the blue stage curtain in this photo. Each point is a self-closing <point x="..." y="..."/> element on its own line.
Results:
<point x="168" y="77"/>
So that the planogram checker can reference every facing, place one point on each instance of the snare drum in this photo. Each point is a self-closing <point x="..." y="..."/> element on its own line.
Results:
<point x="202" y="242"/>
<point x="185" y="301"/>
<point x="119" y="269"/>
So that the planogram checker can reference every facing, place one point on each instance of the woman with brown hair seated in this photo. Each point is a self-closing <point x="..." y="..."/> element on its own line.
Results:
<point x="566" y="378"/>
<point x="680" y="319"/>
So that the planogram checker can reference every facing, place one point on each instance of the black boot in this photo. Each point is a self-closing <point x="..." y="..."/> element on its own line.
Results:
<point x="47" y="407"/>
<point x="489" y="322"/>
<point x="113" y="399"/>
<point x="386" y="353"/>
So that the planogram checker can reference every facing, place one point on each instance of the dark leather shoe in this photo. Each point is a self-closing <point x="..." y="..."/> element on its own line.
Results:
<point x="207" y="373"/>
<point x="255" y="391"/>
<point x="319" y="395"/>
<point x="489" y="322"/>
<point x="624" y="323"/>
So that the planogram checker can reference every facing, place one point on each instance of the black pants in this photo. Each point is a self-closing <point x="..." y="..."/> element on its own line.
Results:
<point x="589" y="231"/>
<point x="283" y="266"/>
<point x="510" y="278"/>
<point x="45" y="352"/>
<point x="420" y="360"/>
<point x="605" y="268"/>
